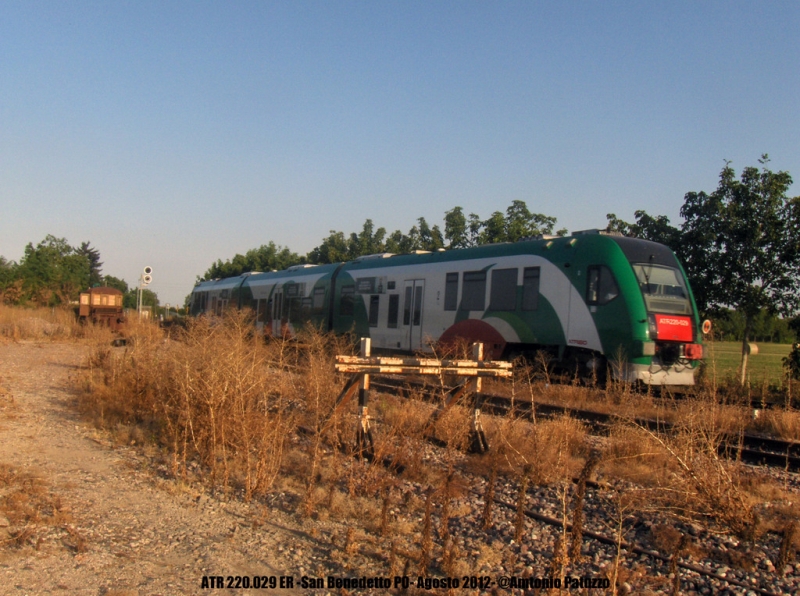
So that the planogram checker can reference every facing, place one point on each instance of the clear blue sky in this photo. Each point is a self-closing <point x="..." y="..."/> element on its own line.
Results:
<point x="172" y="134"/>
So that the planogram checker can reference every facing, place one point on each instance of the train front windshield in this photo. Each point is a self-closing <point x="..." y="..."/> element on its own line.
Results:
<point x="663" y="288"/>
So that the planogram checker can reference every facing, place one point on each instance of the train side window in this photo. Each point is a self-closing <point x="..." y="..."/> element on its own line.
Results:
<point x="319" y="300"/>
<point x="294" y="307"/>
<point x="530" y="288"/>
<point x="451" y="292"/>
<point x="601" y="287"/>
<point x="374" y="305"/>
<point x="504" y="289"/>
<point x="347" y="301"/>
<point x="474" y="293"/>
<point x="394" y="310"/>
<point x="407" y="307"/>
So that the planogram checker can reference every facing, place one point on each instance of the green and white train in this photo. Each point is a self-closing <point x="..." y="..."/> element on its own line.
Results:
<point x="594" y="302"/>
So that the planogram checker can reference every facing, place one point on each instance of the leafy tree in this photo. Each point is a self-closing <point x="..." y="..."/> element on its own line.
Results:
<point x="744" y="239"/>
<point x="10" y="286"/>
<point x="475" y="225"/>
<point x="52" y="272"/>
<point x="521" y="223"/>
<point x="334" y="249"/>
<point x="368" y="242"/>
<point x="264" y="258"/>
<point x="792" y="362"/>
<point x="455" y="228"/>
<point x="429" y="238"/>
<point x="112" y="282"/>
<point x="395" y="242"/>
<point x="95" y="266"/>
<point x="657" y="229"/>
<point x="149" y="298"/>
<point x="494" y="229"/>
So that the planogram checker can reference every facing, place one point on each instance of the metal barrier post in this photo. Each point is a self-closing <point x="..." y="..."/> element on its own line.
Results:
<point x="364" y="444"/>
<point x="478" y="442"/>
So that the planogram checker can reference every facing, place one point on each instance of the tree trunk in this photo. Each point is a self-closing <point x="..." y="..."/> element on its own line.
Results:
<point x="748" y="323"/>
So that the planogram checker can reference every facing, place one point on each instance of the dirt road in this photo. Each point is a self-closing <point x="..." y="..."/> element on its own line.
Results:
<point x="107" y="524"/>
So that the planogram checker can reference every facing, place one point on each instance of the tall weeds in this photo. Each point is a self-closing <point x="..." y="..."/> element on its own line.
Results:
<point x="212" y="396"/>
<point x="42" y="324"/>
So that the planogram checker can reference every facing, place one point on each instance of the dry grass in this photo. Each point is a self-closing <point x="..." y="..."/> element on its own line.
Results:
<point x="259" y="417"/>
<point x="778" y="423"/>
<point x="683" y="474"/>
<point x="43" y="324"/>
<point x="213" y="396"/>
<point x="28" y="510"/>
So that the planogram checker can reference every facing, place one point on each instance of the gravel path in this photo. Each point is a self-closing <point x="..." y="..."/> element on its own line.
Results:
<point x="120" y="529"/>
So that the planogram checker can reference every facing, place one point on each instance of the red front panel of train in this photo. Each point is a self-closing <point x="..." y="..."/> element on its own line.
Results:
<point x="674" y="328"/>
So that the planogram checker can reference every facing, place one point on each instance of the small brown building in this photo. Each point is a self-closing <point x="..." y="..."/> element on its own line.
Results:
<point x="102" y="306"/>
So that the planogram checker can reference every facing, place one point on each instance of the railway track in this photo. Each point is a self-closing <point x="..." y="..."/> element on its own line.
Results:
<point x="750" y="449"/>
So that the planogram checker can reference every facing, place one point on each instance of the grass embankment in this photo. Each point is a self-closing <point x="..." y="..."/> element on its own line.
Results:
<point x="725" y="357"/>
<point x="221" y="406"/>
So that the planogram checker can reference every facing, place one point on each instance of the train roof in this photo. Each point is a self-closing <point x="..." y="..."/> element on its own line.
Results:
<point x="549" y="247"/>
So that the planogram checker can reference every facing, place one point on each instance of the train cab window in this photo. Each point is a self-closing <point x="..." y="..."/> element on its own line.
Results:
<point x="394" y="310"/>
<point x="374" y="304"/>
<point x="474" y="293"/>
<point x="601" y="287"/>
<point x="504" y="289"/>
<point x="451" y="292"/>
<point x="318" y="300"/>
<point x="347" y="301"/>
<point x="530" y="288"/>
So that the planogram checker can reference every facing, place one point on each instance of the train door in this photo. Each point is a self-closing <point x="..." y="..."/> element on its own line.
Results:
<point x="278" y="319"/>
<point x="412" y="313"/>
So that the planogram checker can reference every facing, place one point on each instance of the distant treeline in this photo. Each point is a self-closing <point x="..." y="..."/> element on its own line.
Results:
<point x="460" y="231"/>
<point x="729" y="326"/>
<point x="54" y="273"/>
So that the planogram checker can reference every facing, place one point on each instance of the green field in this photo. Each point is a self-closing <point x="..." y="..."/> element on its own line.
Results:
<point x="726" y="356"/>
